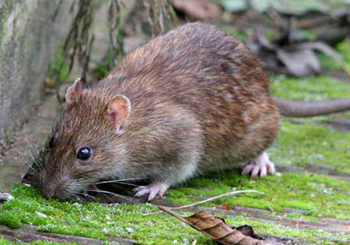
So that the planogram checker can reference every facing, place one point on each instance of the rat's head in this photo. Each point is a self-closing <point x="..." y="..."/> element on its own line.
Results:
<point x="87" y="144"/>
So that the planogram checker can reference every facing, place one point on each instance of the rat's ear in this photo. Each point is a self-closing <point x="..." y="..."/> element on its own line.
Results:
<point x="118" y="111"/>
<point x="74" y="91"/>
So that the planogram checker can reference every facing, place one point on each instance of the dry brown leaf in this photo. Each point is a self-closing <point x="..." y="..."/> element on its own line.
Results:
<point x="198" y="9"/>
<point x="216" y="228"/>
<point x="300" y="62"/>
<point x="293" y="52"/>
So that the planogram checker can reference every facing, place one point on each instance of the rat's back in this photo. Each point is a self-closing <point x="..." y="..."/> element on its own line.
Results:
<point x="216" y="77"/>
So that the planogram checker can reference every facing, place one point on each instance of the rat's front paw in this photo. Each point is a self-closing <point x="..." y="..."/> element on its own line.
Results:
<point x="260" y="166"/>
<point x="153" y="190"/>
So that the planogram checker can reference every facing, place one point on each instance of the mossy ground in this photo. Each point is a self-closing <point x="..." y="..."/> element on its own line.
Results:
<point x="131" y="221"/>
<point x="317" y="196"/>
<point x="6" y="242"/>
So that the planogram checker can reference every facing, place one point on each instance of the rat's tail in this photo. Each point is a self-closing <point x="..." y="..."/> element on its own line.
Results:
<point x="291" y="108"/>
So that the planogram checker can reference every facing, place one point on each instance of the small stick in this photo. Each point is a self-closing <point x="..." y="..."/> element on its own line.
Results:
<point x="209" y="200"/>
<point x="217" y="197"/>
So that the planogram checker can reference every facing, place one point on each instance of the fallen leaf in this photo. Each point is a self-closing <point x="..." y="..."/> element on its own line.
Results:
<point x="298" y="56"/>
<point x="300" y="62"/>
<point x="216" y="228"/>
<point x="198" y="9"/>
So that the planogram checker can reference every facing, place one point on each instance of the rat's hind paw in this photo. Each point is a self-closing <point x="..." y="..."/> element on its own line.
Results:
<point x="260" y="166"/>
<point x="153" y="190"/>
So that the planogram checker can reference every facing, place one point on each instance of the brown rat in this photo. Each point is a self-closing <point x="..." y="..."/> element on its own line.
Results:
<point x="190" y="101"/>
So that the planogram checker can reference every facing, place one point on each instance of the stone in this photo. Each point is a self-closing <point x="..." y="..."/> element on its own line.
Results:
<point x="29" y="33"/>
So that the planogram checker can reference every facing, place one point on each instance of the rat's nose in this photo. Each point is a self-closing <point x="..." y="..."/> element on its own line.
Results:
<point x="49" y="191"/>
<point x="53" y="191"/>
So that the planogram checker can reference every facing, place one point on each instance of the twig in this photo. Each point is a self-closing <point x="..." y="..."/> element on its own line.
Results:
<point x="209" y="200"/>
<point x="217" y="197"/>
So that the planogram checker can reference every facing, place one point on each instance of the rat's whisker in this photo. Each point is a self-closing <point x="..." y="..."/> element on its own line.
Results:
<point x="110" y="193"/>
<point x="118" y="180"/>
<point x="89" y="196"/>
<point x="35" y="161"/>
<point x="125" y="183"/>
<point x="32" y="156"/>
<point x="76" y="195"/>
<point x="32" y="168"/>
<point x="105" y="192"/>
<point x="37" y="151"/>
<point x="102" y="191"/>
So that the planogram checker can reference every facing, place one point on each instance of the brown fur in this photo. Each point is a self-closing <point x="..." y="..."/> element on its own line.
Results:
<point x="198" y="97"/>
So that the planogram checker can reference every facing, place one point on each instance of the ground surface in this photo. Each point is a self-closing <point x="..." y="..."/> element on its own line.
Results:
<point x="306" y="202"/>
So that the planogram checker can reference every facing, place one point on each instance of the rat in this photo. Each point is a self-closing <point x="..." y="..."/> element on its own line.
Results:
<point x="191" y="101"/>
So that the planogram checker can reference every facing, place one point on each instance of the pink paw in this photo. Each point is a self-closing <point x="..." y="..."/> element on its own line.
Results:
<point x="260" y="166"/>
<point x="153" y="190"/>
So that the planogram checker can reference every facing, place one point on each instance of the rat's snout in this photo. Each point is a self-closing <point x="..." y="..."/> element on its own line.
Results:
<point x="55" y="190"/>
<point x="49" y="191"/>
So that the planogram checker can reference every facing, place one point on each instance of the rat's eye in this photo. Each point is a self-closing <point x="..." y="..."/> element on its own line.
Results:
<point x="52" y="140"/>
<point x="84" y="153"/>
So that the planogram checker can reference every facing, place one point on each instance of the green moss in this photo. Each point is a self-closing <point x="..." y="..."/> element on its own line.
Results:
<point x="10" y="219"/>
<point x="234" y="32"/>
<point x="330" y="64"/>
<point x="344" y="49"/>
<point x="59" y="67"/>
<point x="95" y="220"/>
<point x="308" y="34"/>
<point x="270" y="34"/>
<point x="6" y="242"/>
<point x="313" y="88"/>
<point x="312" y="144"/>
<point x="318" y="196"/>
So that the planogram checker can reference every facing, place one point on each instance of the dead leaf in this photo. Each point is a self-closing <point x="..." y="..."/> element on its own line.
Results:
<point x="198" y="9"/>
<point x="216" y="228"/>
<point x="300" y="62"/>
<point x="295" y="54"/>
